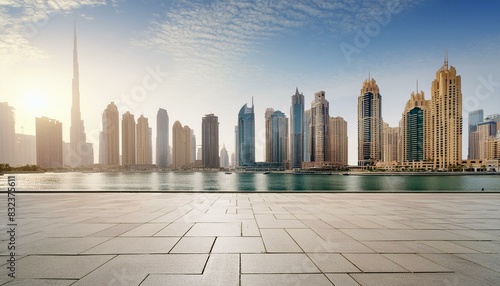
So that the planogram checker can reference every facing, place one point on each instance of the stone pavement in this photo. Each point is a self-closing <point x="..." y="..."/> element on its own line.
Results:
<point x="254" y="239"/>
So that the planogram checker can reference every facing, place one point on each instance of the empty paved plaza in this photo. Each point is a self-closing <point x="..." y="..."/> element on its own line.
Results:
<point x="254" y="239"/>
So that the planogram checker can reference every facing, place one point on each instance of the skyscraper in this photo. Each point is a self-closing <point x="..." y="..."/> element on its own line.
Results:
<point x="369" y="124"/>
<point x="143" y="141"/>
<point x="446" y="101"/>
<point x="297" y="130"/>
<point x="25" y="150"/>
<point x="486" y="131"/>
<point x="111" y="134"/>
<point x="224" y="157"/>
<point x="128" y="139"/>
<point x="246" y="136"/>
<point x="49" y="144"/>
<point x="267" y="120"/>
<point x="390" y="143"/>
<point x="210" y="141"/>
<point x="319" y="127"/>
<point x="475" y="117"/>
<point x="278" y="137"/>
<point x="416" y="138"/>
<point x="307" y="136"/>
<point x="338" y="140"/>
<point x="7" y="134"/>
<point x="162" y="148"/>
<point x="81" y="153"/>
<point x="181" y="146"/>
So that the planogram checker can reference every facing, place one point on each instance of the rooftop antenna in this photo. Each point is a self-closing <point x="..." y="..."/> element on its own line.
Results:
<point x="417" y="85"/>
<point x="369" y="77"/>
<point x="446" y="58"/>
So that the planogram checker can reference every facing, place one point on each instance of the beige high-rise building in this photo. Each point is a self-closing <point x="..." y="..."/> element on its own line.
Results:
<point x="181" y="146"/>
<point x="319" y="127"/>
<point x="268" y="124"/>
<point x="338" y="140"/>
<point x="369" y="124"/>
<point x="111" y="135"/>
<point x="446" y="104"/>
<point x="49" y="144"/>
<point x="390" y="143"/>
<point x="7" y="134"/>
<point x="416" y="129"/>
<point x="128" y="139"/>
<point x="143" y="142"/>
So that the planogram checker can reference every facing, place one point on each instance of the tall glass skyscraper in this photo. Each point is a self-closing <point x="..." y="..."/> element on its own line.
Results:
<point x="246" y="136"/>
<point x="319" y="127"/>
<point x="297" y="130"/>
<point x="162" y="149"/>
<point x="279" y="137"/>
<point x="210" y="141"/>
<point x="369" y="124"/>
<point x="307" y="136"/>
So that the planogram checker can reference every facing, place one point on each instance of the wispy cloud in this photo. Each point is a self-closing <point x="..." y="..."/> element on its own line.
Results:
<point x="21" y="20"/>
<point x="215" y="34"/>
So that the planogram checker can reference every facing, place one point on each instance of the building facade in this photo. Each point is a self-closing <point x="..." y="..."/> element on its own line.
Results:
<point x="416" y="129"/>
<point x="246" y="136"/>
<point x="319" y="127"/>
<point x="278" y="138"/>
<point x="111" y="135"/>
<point x="369" y="124"/>
<point x="162" y="138"/>
<point x="390" y="143"/>
<point x="475" y="117"/>
<point x="49" y="143"/>
<point x="210" y="141"/>
<point x="307" y="136"/>
<point x="128" y="139"/>
<point x="7" y="134"/>
<point x="297" y="130"/>
<point x="143" y="142"/>
<point x="267" y="122"/>
<point x="338" y="141"/>
<point x="181" y="146"/>
<point x="446" y="104"/>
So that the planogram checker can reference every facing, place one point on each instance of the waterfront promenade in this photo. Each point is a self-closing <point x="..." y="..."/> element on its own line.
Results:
<point x="255" y="239"/>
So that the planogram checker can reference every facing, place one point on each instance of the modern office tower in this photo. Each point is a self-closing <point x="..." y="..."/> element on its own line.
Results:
<point x="267" y="117"/>
<point x="49" y="144"/>
<point x="162" y="148"/>
<point x="475" y="117"/>
<point x="278" y="137"/>
<point x="143" y="142"/>
<point x="369" y="124"/>
<point x="7" y="134"/>
<point x="390" y="141"/>
<point x="307" y="136"/>
<point x="102" y="148"/>
<point x="128" y="139"/>
<point x="236" y="161"/>
<point x="446" y="105"/>
<point x="319" y="127"/>
<point x="192" y="156"/>
<point x="111" y="134"/>
<point x="81" y="153"/>
<point x="233" y="160"/>
<point x="224" y="157"/>
<point x="181" y="147"/>
<point x="486" y="131"/>
<point x="150" y="146"/>
<point x="495" y="118"/>
<point x="210" y="141"/>
<point x="297" y="130"/>
<point x="246" y="136"/>
<point x="338" y="140"/>
<point x="416" y="129"/>
<point x="25" y="147"/>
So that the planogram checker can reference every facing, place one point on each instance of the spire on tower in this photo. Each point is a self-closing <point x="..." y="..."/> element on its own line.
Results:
<point x="445" y="66"/>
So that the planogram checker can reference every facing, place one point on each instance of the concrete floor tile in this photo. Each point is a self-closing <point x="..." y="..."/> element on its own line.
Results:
<point x="238" y="245"/>
<point x="342" y="279"/>
<point x="277" y="263"/>
<point x="374" y="263"/>
<point x="115" y="230"/>
<point x="175" y="229"/>
<point x="284" y="279"/>
<point x="194" y="245"/>
<point x="60" y="267"/>
<point x="39" y="282"/>
<point x="215" y="229"/>
<point x="148" y="229"/>
<point x="416" y="263"/>
<point x="249" y="228"/>
<point x="332" y="263"/>
<point x="278" y="240"/>
<point x="130" y="245"/>
<point x="449" y="247"/>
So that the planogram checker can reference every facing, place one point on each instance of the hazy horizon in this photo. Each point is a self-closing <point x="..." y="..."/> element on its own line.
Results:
<point x="198" y="57"/>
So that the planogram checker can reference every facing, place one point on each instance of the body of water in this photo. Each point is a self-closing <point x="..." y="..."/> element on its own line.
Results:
<point x="249" y="182"/>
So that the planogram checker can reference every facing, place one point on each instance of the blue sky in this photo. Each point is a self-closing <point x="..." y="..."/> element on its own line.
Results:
<point x="200" y="57"/>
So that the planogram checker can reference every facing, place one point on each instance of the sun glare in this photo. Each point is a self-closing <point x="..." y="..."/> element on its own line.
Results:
<point x="35" y="102"/>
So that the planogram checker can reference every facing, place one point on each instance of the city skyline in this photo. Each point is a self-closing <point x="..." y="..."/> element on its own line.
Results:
<point x="245" y="55"/>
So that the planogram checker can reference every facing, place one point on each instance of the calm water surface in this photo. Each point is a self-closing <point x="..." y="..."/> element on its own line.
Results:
<point x="249" y="182"/>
